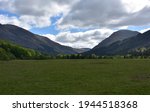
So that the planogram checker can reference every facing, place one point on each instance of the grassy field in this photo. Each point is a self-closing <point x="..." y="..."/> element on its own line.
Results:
<point x="75" y="77"/>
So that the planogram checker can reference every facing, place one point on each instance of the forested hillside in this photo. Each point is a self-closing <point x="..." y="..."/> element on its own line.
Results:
<point x="10" y="51"/>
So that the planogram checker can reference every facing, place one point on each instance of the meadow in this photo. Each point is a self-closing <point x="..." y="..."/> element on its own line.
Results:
<point x="75" y="77"/>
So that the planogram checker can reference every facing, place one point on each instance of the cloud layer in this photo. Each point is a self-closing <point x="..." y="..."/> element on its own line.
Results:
<point x="80" y="13"/>
<point x="100" y="15"/>
<point x="96" y="12"/>
<point x="108" y="13"/>
<point x="86" y="39"/>
<point x="33" y="13"/>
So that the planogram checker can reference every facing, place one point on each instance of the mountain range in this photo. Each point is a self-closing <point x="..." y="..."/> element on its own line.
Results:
<point x="119" y="43"/>
<point x="113" y="45"/>
<point x="27" y="39"/>
<point x="117" y="36"/>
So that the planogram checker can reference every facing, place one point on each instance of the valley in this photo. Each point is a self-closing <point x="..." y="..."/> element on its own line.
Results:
<point x="75" y="77"/>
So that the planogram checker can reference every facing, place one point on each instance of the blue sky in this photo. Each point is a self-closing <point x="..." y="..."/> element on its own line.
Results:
<point x="76" y="23"/>
<point x="52" y="29"/>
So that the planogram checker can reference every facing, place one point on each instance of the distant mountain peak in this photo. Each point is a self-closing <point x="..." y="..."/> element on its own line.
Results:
<point x="117" y="36"/>
<point x="124" y="33"/>
<point x="123" y="47"/>
<point x="81" y="50"/>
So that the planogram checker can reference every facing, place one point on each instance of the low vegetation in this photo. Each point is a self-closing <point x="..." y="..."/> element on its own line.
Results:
<point x="88" y="76"/>
<point x="72" y="74"/>
<point x="9" y="51"/>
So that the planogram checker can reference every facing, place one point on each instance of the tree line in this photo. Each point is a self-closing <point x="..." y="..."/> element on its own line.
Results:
<point x="10" y="51"/>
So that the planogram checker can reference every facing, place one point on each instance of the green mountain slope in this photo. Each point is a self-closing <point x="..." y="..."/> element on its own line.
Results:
<point x="27" y="39"/>
<point x="10" y="51"/>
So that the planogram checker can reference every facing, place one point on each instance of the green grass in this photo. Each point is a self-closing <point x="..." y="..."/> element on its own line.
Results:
<point x="75" y="77"/>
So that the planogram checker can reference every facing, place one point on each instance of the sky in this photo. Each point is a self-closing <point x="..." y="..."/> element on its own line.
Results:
<point x="76" y="23"/>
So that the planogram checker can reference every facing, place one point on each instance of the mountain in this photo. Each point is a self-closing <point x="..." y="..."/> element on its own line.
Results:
<point x="9" y="51"/>
<point x="117" y="36"/>
<point x="27" y="39"/>
<point x="136" y="42"/>
<point x="124" y="46"/>
<point x="81" y="50"/>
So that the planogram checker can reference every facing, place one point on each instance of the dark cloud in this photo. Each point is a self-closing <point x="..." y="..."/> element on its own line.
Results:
<point x="139" y="18"/>
<point x="106" y="13"/>
<point x="89" y="14"/>
<point x="94" y="12"/>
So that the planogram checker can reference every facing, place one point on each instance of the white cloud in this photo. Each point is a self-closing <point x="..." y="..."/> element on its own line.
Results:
<point x="107" y="14"/>
<point x="80" y="13"/>
<point x="147" y="29"/>
<point x="86" y="39"/>
<point x="38" y="7"/>
<point x="100" y="15"/>
<point x="135" y="5"/>
<point x="139" y="18"/>
<point x="6" y="4"/>
<point x="50" y="36"/>
<point x="26" y="22"/>
<point x="35" y="21"/>
<point x="5" y="19"/>
<point x="94" y="13"/>
<point x="35" y="13"/>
